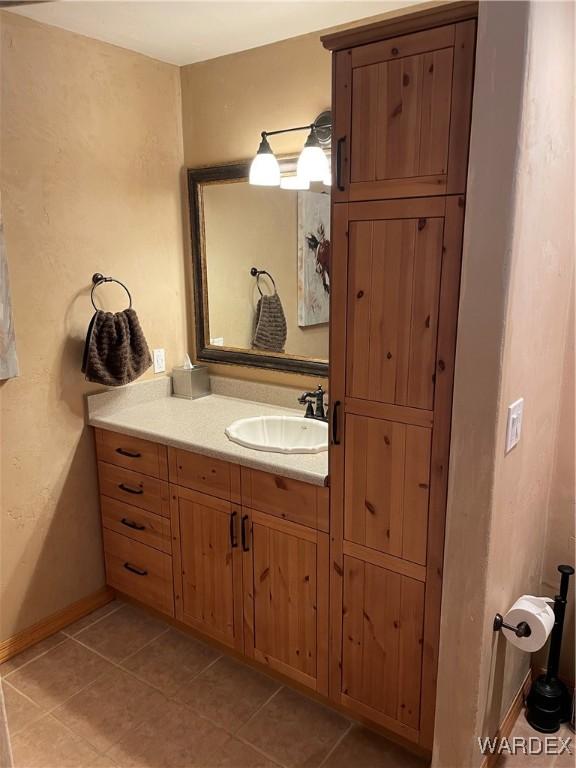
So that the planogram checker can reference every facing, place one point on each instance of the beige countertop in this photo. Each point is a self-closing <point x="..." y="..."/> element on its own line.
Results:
<point x="198" y="425"/>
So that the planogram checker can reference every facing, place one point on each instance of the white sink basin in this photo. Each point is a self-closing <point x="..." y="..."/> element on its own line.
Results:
<point x="280" y="434"/>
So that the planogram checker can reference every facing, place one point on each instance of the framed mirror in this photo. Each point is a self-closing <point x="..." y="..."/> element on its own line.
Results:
<point x="261" y="270"/>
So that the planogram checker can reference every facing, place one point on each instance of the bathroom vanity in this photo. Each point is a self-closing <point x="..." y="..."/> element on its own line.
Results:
<point x="340" y="593"/>
<point x="235" y="551"/>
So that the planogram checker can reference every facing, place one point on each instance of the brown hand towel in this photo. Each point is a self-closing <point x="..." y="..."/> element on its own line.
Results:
<point x="116" y="351"/>
<point x="270" y="328"/>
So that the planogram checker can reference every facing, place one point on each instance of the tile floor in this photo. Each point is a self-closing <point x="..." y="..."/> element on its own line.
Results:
<point x="121" y="688"/>
<point x="567" y="759"/>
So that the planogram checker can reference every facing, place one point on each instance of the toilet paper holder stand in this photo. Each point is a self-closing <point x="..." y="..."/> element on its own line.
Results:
<point x="522" y="629"/>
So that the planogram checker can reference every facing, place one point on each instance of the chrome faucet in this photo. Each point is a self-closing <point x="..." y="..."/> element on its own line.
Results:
<point x="306" y="398"/>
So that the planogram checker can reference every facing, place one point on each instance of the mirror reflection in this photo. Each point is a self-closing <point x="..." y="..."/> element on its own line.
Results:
<point x="266" y="268"/>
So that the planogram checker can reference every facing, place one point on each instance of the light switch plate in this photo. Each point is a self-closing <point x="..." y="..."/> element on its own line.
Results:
<point x="159" y="357"/>
<point x="514" y="425"/>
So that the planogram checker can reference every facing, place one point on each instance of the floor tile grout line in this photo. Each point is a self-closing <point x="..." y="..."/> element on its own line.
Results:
<point x="5" y="730"/>
<point x="124" y="658"/>
<point x="260" y="751"/>
<point x="261" y="707"/>
<point x="26" y="663"/>
<point x="170" y="697"/>
<point x="336" y="744"/>
<point x="115" y="664"/>
<point x="118" y="665"/>
<point x="74" y="733"/>
<point x="19" y="692"/>
<point x="96" y="621"/>
<point x="66" y="637"/>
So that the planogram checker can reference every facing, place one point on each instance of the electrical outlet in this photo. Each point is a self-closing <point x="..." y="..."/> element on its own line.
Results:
<point x="514" y="424"/>
<point x="159" y="356"/>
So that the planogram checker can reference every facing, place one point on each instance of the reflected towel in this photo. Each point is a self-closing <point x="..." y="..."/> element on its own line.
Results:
<point x="270" y="326"/>
<point x="116" y="351"/>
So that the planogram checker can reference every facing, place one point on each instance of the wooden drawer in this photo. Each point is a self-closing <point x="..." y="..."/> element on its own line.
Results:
<point x="200" y="473"/>
<point x="134" y="488"/>
<point x="137" y="524"/>
<point x="289" y="499"/>
<point x="139" y="571"/>
<point x="132" y="453"/>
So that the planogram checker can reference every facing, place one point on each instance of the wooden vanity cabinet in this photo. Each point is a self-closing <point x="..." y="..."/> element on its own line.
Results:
<point x="240" y="555"/>
<point x="208" y="564"/>
<point x="285" y="568"/>
<point x="401" y="105"/>
<point x="402" y="109"/>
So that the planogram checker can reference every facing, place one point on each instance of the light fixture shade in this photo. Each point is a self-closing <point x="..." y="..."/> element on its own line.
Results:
<point x="264" y="170"/>
<point x="312" y="163"/>
<point x="294" y="182"/>
<point x="327" y="180"/>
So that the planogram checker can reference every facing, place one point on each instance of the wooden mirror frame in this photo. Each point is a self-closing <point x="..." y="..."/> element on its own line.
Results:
<point x="197" y="178"/>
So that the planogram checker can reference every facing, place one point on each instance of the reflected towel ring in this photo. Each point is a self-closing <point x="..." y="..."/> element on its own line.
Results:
<point x="98" y="279"/>
<point x="257" y="273"/>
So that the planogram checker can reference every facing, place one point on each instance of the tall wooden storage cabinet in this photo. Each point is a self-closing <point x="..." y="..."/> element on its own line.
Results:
<point x="402" y="95"/>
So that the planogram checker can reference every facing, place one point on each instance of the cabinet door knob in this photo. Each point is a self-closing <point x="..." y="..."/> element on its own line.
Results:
<point x="134" y="569"/>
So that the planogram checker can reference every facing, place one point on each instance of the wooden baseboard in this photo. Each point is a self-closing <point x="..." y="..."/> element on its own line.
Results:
<point x="505" y="728"/>
<point x="54" y="623"/>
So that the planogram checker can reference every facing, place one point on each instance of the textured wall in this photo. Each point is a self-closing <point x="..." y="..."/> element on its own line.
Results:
<point x="560" y="541"/>
<point x="514" y="313"/>
<point x="91" y="155"/>
<point x="274" y="86"/>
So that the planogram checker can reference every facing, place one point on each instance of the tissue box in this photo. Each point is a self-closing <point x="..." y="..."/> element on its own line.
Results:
<point x="190" y="382"/>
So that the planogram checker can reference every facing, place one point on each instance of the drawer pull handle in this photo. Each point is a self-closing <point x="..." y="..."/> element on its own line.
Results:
<point x="134" y="569"/>
<point x="233" y="537"/>
<point x="130" y="454"/>
<point x="127" y="489"/>
<point x="245" y="543"/>
<point x="132" y="524"/>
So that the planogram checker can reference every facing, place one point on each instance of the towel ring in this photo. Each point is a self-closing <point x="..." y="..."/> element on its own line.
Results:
<point x="257" y="273"/>
<point x="98" y="279"/>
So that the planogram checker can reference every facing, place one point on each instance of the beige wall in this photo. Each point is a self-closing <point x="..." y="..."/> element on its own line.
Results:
<point x="246" y="226"/>
<point x="560" y="540"/>
<point x="227" y="102"/>
<point x="91" y="155"/>
<point x="517" y="274"/>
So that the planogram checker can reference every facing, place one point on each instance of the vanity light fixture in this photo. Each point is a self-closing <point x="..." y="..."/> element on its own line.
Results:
<point x="265" y="171"/>
<point x="312" y="164"/>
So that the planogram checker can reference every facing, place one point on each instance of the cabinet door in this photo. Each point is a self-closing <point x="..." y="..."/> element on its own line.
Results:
<point x="402" y="114"/>
<point x="382" y="645"/>
<point x="386" y="485"/>
<point x="208" y="565"/>
<point x="395" y="270"/>
<point x="395" y="262"/>
<point x="286" y="598"/>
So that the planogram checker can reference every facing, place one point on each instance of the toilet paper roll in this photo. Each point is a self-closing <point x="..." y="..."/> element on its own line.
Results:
<point x="539" y="616"/>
